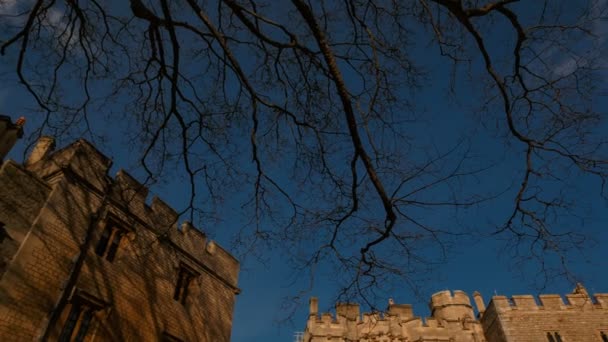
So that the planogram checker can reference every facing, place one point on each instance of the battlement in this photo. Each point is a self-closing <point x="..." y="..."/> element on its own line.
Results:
<point x="452" y="319"/>
<point x="91" y="167"/>
<point x="351" y="312"/>
<point x="458" y="300"/>
<point x="574" y="301"/>
<point x="129" y="188"/>
<point x="398" y="320"/>
<point x="446" y="297"/>
<point x="349" y="323"/>
<point x="402" y="311"/>
<point x="451" y="306"/>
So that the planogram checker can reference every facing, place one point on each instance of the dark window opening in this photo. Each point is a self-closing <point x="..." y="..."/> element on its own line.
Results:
<point x="554" y="337"/>
<point x="170" y="338"/>
<point x="3" y="233"/>
<point x="184" y="278"/>
<point x="511" y="301"/>
<point x="77" y="325"/>
<point x="109" y="242"/>
<point x="604" y="336"/>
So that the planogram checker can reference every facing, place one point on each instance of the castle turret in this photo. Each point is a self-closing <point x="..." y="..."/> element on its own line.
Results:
<point x="481" y="306"/>
<point x="313" y="306"/>
<point x="449" y="307"/>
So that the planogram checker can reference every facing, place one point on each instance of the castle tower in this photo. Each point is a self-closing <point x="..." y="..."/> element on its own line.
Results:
<point x="525" y="318"/>
<point x="451" y="307"/>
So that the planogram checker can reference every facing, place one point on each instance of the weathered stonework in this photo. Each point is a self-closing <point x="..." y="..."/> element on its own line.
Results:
<point x="520" y="319"/>
<point x="452" y="320"/>
<point x="582" y="318"/>
<point x="56" y="210"/>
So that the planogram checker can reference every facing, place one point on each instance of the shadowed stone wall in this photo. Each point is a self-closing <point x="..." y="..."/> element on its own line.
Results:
<point x="57" y="211"/>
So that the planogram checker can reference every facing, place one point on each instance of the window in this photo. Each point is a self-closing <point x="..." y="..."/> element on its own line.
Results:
<point x="78" y="322"/>
<point x="109" y="241"/>
<point x="3" y="233"/>
<point x="604" y="336"/>
<point x="170" y="338"/>
<point x="184" y="278"/>
<point x="554" y="337"/>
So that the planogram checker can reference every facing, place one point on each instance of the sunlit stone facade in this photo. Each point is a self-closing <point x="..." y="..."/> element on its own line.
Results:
<point x="581" y="318"/>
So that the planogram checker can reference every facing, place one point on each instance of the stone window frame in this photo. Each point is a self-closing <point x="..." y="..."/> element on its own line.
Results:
<point x="184" y="280"/>
<point x="88" y="310"/>
<point x="167" y="337"/>
<point x="554" y="336"/>
<point x="3" y="232"/>
<point x="112" y="237"/>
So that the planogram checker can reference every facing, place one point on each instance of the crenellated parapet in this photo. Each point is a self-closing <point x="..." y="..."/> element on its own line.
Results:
<point x="80" y="161"/>
<point x="129" y="190"/>
<point x="574" y="301"/>
<point x="527" y="318"/>
<point x="397" y="322"/>
<point x="163" y="219"/>
<point x="521" y="318"/>
<point x="451" y="306"/>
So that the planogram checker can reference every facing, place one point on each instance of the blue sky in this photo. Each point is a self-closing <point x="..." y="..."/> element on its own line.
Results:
<point x="473" y="266"/>
<point x="474" y="263"/>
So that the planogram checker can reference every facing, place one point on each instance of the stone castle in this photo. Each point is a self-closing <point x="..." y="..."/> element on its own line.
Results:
<point x="583" y="318"/>
<point x="84" y="257"/>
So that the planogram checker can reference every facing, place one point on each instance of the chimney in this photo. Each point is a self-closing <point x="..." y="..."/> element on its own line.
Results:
<point x="313" y="306"/>
<point x="43" y="147"/>
<point x="481" y="306"/>
<point x="9" y="133"/>
<point x="20" y="122"/>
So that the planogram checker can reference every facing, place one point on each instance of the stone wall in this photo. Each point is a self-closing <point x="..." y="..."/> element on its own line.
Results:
<point x="56" y="209"/>
<point x="581" y="318"/>
<point x="452" y="320"/>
